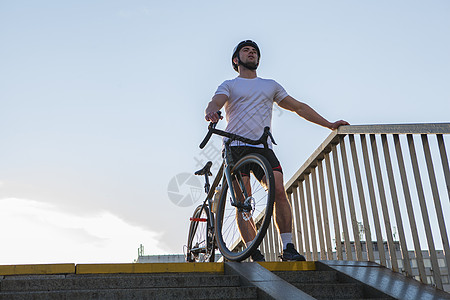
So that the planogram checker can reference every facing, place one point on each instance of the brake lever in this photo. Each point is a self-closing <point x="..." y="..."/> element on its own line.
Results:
<point x="214" y="124"/>
<point x="267" y="131"/>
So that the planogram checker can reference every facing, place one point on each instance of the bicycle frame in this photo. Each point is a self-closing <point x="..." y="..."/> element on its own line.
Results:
<point x="228" y="160"/>
<point x="229" y="164"/>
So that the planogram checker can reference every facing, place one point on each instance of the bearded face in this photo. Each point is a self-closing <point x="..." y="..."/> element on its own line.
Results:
<point x="248" y="58"/>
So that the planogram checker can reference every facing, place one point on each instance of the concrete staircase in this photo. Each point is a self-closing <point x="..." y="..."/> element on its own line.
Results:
<point x="230" y="280"/>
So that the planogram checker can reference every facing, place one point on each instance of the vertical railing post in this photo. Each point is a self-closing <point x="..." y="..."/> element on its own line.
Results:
<point x="264" y="247"/>
<point x="423" y="207"/>
<point x="348" y="248"/>
<point x="337" y="230"/>
<point x="410" y="210"/>
<point x="351" y="203"/>
<point x="304" y="221"/>
<point x="318" y="215"/>
<point x="270" y="242"/>
<point x="312" y="228"/>
<point x="373" y="201"/>
<point x="398" y="218"/>
<point x="444" y="160"/>
<point x="381" y="193"/>
<point x="437" y="200"/>
<point x="289" y="197"/>
<point x="276" y="238"/>
<point x="298" y="220"/>
<point x="362" y="200"/>
<point x="326" y="223"/>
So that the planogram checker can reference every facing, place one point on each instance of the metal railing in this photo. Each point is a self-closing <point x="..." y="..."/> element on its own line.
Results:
<point x="350" y="199"/>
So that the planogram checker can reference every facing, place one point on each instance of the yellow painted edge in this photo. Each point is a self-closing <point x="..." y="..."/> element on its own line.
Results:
<point x="37" y="269"/>
<point x="289" y="265"/>
<point x="149" y="268"/>
<point x="143" y="268"/>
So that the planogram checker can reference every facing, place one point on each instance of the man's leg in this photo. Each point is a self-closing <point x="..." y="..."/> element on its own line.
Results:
<point x="282" y="207"/>
<point x="283" y="219"/>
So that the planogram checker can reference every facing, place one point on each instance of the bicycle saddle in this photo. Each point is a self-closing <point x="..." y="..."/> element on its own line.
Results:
<point x="205" y="169"/>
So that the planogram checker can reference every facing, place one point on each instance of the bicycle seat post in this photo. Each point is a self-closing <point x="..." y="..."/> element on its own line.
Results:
<point x="206" y="171"/>
<point x="207" y="185"/>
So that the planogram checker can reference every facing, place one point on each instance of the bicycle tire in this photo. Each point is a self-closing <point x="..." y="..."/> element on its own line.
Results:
<point x="200" y="246"/>
<point x="228" y="233"/>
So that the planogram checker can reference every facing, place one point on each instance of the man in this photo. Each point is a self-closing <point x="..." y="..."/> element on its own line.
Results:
<point x="248" y="102"/>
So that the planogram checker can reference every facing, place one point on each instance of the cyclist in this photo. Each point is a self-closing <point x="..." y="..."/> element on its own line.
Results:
<point x="248" y="101"/>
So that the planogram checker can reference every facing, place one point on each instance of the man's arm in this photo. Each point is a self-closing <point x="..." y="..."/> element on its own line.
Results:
<point x="216" y="103"/>
<point x="306" y="112"/>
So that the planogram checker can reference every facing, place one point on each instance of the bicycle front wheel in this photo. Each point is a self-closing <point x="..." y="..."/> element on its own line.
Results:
<point x="200" y="247"/>
<point x="241" y="225"/>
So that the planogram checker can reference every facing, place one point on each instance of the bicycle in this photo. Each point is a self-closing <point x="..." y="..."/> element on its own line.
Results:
<point x="239" y="220"/>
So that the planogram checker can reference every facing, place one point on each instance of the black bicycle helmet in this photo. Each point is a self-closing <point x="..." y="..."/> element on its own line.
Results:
<point x="236" y="54"/>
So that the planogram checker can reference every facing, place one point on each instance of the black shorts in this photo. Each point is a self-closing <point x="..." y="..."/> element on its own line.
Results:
<point x="237" y="152"/>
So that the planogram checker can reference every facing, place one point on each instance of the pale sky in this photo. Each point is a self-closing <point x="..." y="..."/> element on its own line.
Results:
<point x="102" y="104"/>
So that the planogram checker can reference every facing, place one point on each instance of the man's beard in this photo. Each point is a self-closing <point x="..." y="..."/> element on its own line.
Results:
<point x="249" y="65"/>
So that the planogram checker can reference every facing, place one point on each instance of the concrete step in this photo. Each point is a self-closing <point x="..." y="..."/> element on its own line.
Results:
<point x="125" y="286"/>
<point x="360" y="299"/>
<point x="326" y="285"/>
<point x="119" y="281"/>
<point x="322" y="284"/>
<point x="332" y="290"/>
<point x="150" y="293"/>
<point x="308" y="276"/>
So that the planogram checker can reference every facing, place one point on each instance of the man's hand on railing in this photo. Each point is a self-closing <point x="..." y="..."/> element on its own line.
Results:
<point x="336" y="124"/>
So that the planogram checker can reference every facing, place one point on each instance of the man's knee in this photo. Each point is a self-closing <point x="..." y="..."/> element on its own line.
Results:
<point x="279" y="190"/>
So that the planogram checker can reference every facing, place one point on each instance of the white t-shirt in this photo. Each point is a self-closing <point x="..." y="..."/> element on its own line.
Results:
<point x="249" y="106"/>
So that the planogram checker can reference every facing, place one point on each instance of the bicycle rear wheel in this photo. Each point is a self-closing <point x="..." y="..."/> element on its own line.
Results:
<point x="200" y="247"/>
<point x="239" y="231"/>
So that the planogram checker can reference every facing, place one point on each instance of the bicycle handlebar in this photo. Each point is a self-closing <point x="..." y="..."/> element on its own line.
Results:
<point x="211" y="126"/>
<point x="262" y="140"/>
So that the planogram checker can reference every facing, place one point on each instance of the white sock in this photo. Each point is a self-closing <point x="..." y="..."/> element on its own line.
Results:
<point x="248" y="243"/>
<point x="286" y="238"/>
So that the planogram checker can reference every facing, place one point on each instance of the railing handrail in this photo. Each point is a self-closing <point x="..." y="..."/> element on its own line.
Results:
<point x="333" y="138"/>
<point x="417" y="128"/>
